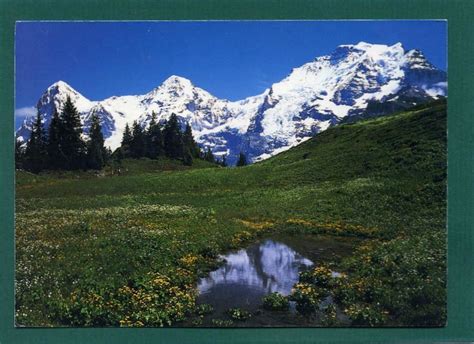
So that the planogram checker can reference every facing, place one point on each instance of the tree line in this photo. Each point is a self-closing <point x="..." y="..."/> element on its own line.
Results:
<point x="165" y="139"/>
<point x="63" y="147"/>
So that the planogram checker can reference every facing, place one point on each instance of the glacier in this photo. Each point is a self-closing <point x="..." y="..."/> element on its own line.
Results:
<point x="350" y="81"/>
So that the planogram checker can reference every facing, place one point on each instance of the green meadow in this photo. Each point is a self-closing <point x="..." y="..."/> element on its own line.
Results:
<point x="96" y="249"/>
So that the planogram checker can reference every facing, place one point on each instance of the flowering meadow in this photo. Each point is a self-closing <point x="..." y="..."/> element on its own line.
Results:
<point x="107" y="250"/>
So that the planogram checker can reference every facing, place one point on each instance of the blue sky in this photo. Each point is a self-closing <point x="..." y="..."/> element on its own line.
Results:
<point x="232" y="60"/>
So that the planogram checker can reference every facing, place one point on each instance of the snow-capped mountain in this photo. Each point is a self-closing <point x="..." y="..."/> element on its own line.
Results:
<point x="353" y="80"/>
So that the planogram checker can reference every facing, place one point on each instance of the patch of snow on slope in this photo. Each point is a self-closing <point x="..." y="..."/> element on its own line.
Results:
<point x="311" y="98"/>
<point x="124" y="110"/>
<point x="438" y="89"/>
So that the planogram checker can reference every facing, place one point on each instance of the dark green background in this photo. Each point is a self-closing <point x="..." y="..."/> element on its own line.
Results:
<point x="460" y="165"/>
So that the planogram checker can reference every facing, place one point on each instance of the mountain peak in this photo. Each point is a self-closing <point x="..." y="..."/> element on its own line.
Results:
<point x="417" y="60"/>
<point x="378" y="50"/>
<point x="415" y="53"/>
<point x="63" y="88"/>
<point x="60" y="85"/>
<point x="311" y="98"/>
<point x="55" y="96"/>
<point x="363" y="50"/>
<point x="174" y="85"/>
<point x="366" y="46"/>
<point x="176" y="80"/>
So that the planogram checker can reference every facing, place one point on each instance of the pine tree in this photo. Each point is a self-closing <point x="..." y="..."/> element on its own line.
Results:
<point x="137" y="146"/>
<point x="154" y="139"/>
<point x="172" y="137"/>
<point x="71" y="143"/>
<point x="189" y="143"/>
<point x="126" y="142"/>
<point x="108" y="155"/>
<point x="224" y="161"/>
<point x="117" y="157"/>
<point x="242" y="160"/>
<point x="187" y="157"/>
<point x="96" y="152"/>
<point x="56" y="157"/>
<point x="208" y="156"/>
<point x="35" y="153"/>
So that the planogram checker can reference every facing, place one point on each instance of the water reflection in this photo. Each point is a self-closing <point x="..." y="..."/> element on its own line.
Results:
<point x="251" y="273"/>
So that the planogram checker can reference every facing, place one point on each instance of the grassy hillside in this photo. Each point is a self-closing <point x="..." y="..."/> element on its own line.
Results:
<point x="127" y="250"/>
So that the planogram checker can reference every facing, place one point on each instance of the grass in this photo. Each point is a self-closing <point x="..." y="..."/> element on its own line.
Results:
<point x="104" y="250"/>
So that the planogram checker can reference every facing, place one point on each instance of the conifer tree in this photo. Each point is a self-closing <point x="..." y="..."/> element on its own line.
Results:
<point x="137" y="146"/>
<point x="116" y="160"/>
<point x="108" y="154"/>
<point x="242" y="160"/>
<point x="172" y="137"/>
<point x="71" y="143"/>
<point x="187" y="157"/>
<point x="224" y="161"/>
<point x="126" y="142"/>
<point x="118" y="157"/>
<point x="35" y="153"/>
<point x="96" y="152"/>
<point x="55" y="155"/>
<point x="154" y="139"/>
<point x="208" y="156"/>
<point x="189" y="143"/>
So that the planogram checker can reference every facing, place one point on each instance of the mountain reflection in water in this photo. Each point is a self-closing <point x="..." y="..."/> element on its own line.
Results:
<point x="251" y="273"/>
